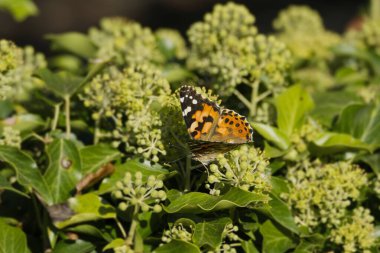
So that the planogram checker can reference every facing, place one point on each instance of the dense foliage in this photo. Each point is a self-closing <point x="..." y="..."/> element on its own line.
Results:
<point x="95" y="157"/>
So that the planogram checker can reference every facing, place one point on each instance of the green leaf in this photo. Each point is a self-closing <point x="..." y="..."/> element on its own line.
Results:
<point x="274" y="240"/>
<point x="131" y="166"/>
<point x="12" y="239"/>
<point x="6" y="185"/>
<point x="311" y="243"/>
<point x="362" y="122"/>
<point x="279" y="185"/>
<point x="330" y="103"/>
<point x="292" y="107"/>
<point x="272" y="152"/>
<point x="249" y="246"/>
<point x="77" y="246"/>
<point x="176" y="246"/>
<point x="90" y="230"/>
<point x="73" y="42"/>
<point x="27" y="171"/>
<point x="281" y="213"/>
<point x="330" y="143"/>
<point x="64" y="170"/>
<point x="210" y="233"/>
<point x="197" y="202"/>
<point x="116" y="243"/>
<point x="93" y="157"/>
<point x="24" y="123"/>
<point x="87" y="207"/>
<point x="372" y="160"/>
<point x="63" y="84"/>
<point x="20" y="9"/>
<point x="273" y="134"/>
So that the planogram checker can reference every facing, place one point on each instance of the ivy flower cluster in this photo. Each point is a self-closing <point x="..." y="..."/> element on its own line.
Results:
<point x="357" y="232"/>
<point x="246" y="168"/>
<point x="179" y="232"/>
<point x="16" y="69"/>
<point x="321" y="193"/>
<point x="127" y="42"/>
<point x="368" y="36"/>
<point x="126" y="108"/>
<point x="302" y="30"/>
<point x="10" y="137"/>
<point x="226" y="47"/>
<point x="133" y="191"/>
<point x="230" y="240"/>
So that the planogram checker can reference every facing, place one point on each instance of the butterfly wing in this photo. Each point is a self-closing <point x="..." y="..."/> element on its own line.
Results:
<point x="200" y="114"/>
<point x="232" y="128"/>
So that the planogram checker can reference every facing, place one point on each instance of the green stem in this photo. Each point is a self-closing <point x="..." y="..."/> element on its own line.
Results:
<point x="45" y="241"/>
<point x="254" y="101"/>
<point x="123" y="233"/>
<point x="57" y="109"/>
<point x="67" y="113"/>
<point x="96" y="131"/>
<point x="132" y="229"/>
<point x="242" y="98"/>
<point x="188" y="174"/>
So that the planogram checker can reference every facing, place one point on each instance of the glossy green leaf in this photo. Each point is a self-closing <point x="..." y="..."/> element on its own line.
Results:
<point x="131" y="166"/>
<point x="330" y="103"/>
<point x="24" y="122"/>
<point x="90" y="230"/>
<point x="330" y="143"/>
<point x="64" y="170"/>
<point x="73" y="42"/>
<point x="271" y="151"/>
<point x="197" y="202"/>
<point x="12" y="239"/>
<point x="116" y="243"/>
<point x="20" y="9"/>
<point x="273" y="135"/>
<point x="93" y="157"/>
<point x="362" y="122"/>
<point x="77" y="246"/>
<point x="210" y="233"/>
<point x="279" y="185"/>
<point x="6" y="185"/>
<point x="249" y="247"/>
<point x="292" y="107"/>
<point x="176" y="246"/>
<point x="311" y="243"/>
<point x="281" y="213"/>
<point x="27" y="171"/>
<point x="372" y="160"/>
<point x="275" y="241"/>
<point x="87" y="207"/>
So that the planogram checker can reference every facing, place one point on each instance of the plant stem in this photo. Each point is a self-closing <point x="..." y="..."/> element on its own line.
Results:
<point x="96" y="131"/>
<point x="188" y="174"/>
<point x="67" y="113"/>
<point x="242" y="98"/>
<point x="254" y="101"/>
<point x="132" y="229"/>
<point x="57" y="109"/>
<point x="123" y="233"/>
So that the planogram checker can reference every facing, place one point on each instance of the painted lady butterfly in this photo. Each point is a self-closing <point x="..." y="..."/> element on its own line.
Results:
<point x="213" y="130"/>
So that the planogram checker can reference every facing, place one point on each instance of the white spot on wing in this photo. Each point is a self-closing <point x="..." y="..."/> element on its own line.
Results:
<point x="186" y="111"/>
<point x="195" y="101"/>
<point x="191" y="97"/>
<point x="182" y="99"/>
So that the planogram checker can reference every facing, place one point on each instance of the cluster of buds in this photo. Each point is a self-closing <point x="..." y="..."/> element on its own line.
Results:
<point x="143" y="195"/>
<point x="10" y="137"/>
<point x="178" y="231"/>
<point x="246" y="168"/>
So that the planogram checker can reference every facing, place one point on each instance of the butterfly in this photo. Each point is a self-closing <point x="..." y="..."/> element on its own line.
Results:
<point x="213" y="130"/>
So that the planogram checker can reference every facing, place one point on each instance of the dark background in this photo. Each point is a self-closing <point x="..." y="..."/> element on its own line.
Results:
<point x="58" y="16"/>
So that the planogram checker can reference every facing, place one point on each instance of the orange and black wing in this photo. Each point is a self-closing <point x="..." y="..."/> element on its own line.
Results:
<point x="200" y="114"/>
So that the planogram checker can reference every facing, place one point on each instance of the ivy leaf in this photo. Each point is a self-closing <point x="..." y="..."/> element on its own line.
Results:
<point x="274" y="241"/>
<point x="12" y="239"/>
<point x="210" y="232"/>
<point x="175" y="246"/>
<point x="273" y="134"/>
<point x="249" y="246"/>
<point x="281" y="213"/>
<point x="93" y="157"/>
<point x="27" y="171"/>
<point x="64" y="170"/>
<point x="372" y="160"/>
<point x="25" y="123"/>
<point x="90" y="230"/>
<point x="131" y="166"/>
<point x="362" y="122"/>
<point x="197" y="202"/>
<point x="73" y="42"/>
<point x="330" y="143"/>
<point x="87" y="207"/>
<point x="6" y="185"/>
<point x="77" y="246"/>
<point x="292" y="107"/>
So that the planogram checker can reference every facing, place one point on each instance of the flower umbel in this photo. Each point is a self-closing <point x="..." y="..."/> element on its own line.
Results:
<point x="145" y="196"/>
<point x="10" y="137"/>
<point x="178" y="231"/>
<point x="246" y="168"/>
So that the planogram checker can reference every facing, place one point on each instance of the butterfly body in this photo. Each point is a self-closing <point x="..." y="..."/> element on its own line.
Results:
<point x="214" y="130"/>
